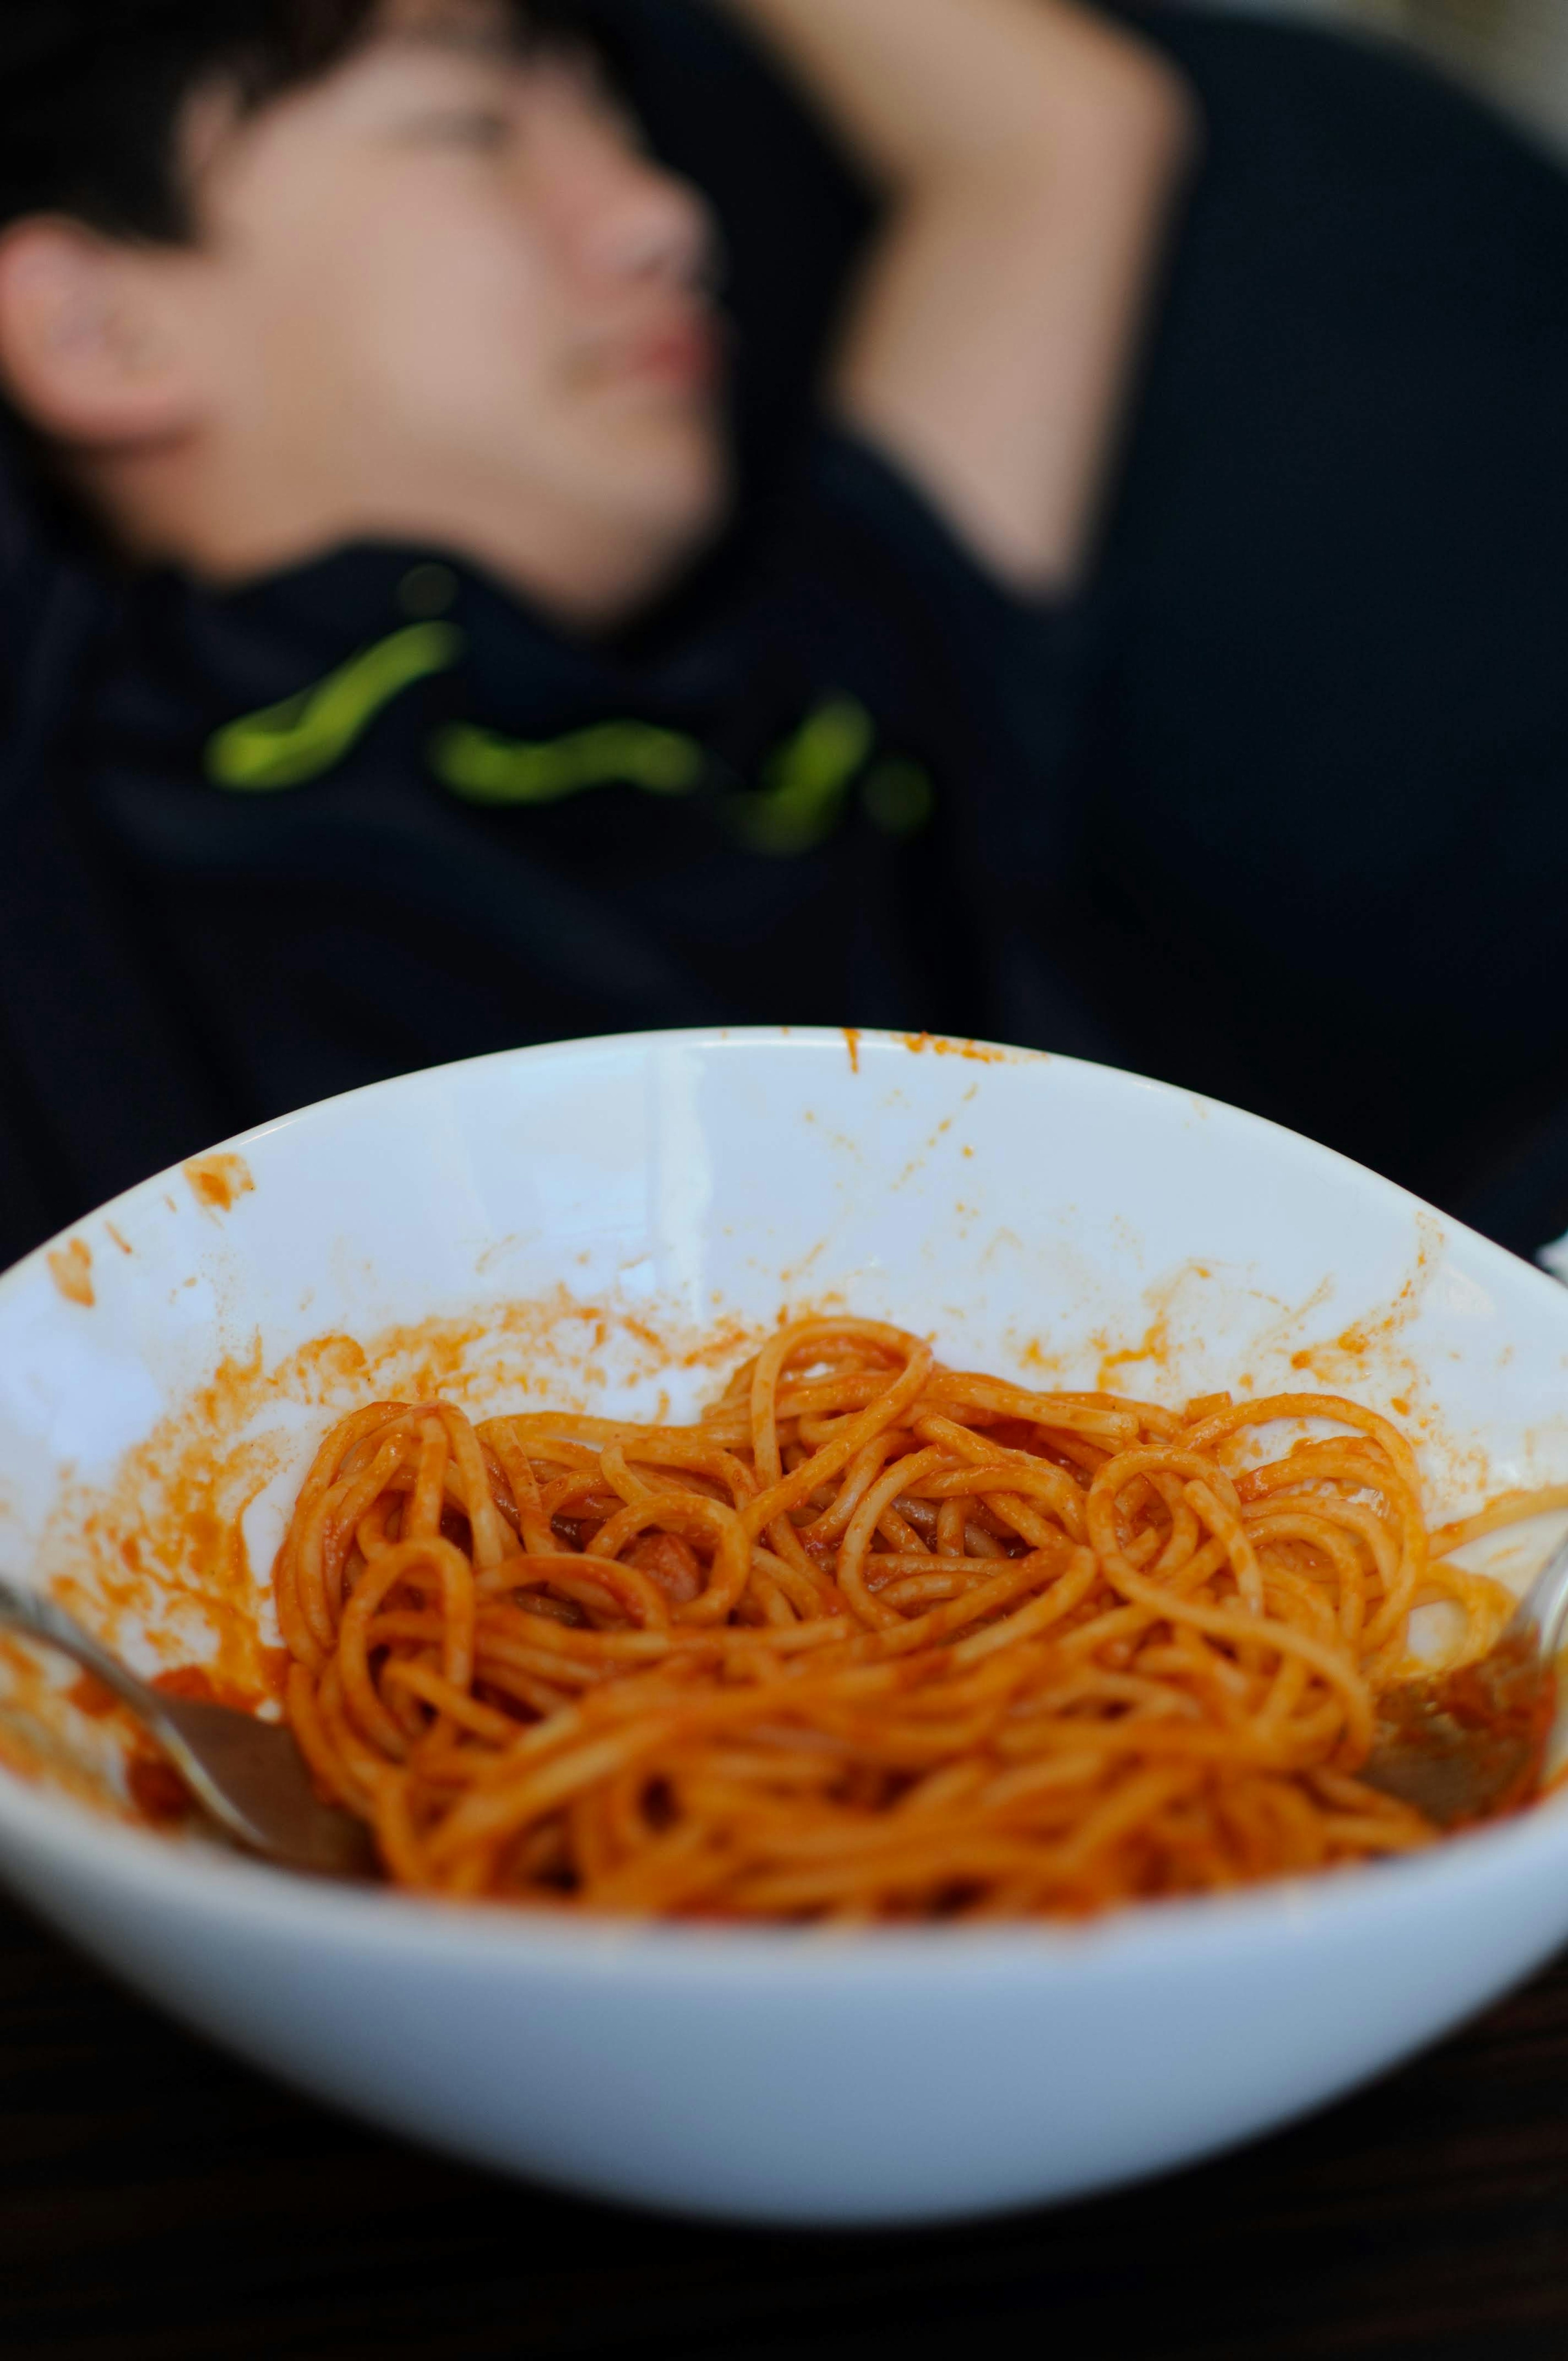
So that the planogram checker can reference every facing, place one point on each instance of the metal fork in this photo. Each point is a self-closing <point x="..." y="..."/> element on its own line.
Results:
<point x="1470" y="1744"/>
<point x="249" y="1775"/>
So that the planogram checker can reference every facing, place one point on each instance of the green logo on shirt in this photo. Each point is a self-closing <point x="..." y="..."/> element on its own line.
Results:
<point x="307" y="735"/>
<point x="485" y="768"/>
<point x="805" y="781"/>
<point x="798" y="804"/>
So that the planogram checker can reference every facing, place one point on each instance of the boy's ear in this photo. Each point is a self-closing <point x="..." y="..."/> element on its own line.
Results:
<point x="88" y="351"/>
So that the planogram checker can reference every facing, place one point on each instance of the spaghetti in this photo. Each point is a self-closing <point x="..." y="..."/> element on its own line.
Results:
<point x="875" y="1640"/>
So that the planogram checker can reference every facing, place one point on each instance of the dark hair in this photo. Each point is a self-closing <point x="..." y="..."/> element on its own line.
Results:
<point x="91" y="92"/>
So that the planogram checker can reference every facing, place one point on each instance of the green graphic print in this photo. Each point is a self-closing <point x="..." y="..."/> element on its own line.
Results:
<point x="306" y="736"/>
<point x="484" y="768"/>
<point x="798" y="805"/>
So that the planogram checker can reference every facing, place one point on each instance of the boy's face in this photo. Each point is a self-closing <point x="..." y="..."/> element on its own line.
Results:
<point x="452" y="267"/>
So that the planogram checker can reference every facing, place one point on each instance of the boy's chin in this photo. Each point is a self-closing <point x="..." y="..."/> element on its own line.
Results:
<point x="682" y="498"/>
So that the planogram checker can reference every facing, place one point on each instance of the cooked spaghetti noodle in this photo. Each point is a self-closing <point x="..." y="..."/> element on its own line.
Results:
<point x="876" y="1641"/>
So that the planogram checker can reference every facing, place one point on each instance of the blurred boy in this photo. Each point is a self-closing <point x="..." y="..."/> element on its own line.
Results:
<point x="387" y="365"/>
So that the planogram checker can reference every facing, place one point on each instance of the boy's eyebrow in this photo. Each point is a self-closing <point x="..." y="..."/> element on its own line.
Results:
<point x="470" y="40"/>
<point x="485" y="27"/>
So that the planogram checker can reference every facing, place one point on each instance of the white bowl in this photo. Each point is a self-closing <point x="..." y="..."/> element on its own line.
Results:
<point x="1036" y="1215"/>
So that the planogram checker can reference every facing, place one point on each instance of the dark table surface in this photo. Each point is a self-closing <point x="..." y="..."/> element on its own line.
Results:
<point x="157" y="2203"/>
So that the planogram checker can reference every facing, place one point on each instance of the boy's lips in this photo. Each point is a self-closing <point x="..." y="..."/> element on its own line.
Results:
<point x="682" y="354"/>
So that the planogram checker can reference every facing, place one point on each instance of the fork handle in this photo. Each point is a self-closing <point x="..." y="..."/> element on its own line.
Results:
<point x="1543" y="1610"/>
<point x="29" y="1610"/>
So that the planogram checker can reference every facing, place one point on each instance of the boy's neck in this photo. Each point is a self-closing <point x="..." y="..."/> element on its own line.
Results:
<point x="227" y="527"/>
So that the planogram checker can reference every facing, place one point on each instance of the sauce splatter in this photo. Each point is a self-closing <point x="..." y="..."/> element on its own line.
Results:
<point x="1343" y="1360"/>
<point x="197" y="1684"/>
<point x="215" y="1182"/>
<point x="71" y="1267"/>
<point x="57" y="1735"/>
<point x="982" y="1052"/>
<point x="852" y="1043"/>
<point x="156" y="1789"/>
<point x="92" y="1697"/>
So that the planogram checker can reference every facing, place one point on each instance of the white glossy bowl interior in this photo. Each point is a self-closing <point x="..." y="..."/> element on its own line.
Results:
<point x="1036" y="1215"/>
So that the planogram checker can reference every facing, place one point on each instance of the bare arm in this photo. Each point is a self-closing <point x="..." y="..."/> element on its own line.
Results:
<point x="1029" y="150"/>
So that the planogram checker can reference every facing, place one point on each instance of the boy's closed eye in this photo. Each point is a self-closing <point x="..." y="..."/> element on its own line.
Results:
<point x="484" y="130"/>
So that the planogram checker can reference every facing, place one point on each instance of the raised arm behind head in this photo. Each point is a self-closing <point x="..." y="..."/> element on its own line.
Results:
<point x="1030" y="151"/>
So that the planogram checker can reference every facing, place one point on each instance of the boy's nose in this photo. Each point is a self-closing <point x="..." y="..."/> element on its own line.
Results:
<point x="657" y="227"/>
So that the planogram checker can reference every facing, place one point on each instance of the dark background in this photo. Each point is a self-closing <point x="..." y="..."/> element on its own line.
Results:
<point x="157" y="2204"/>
